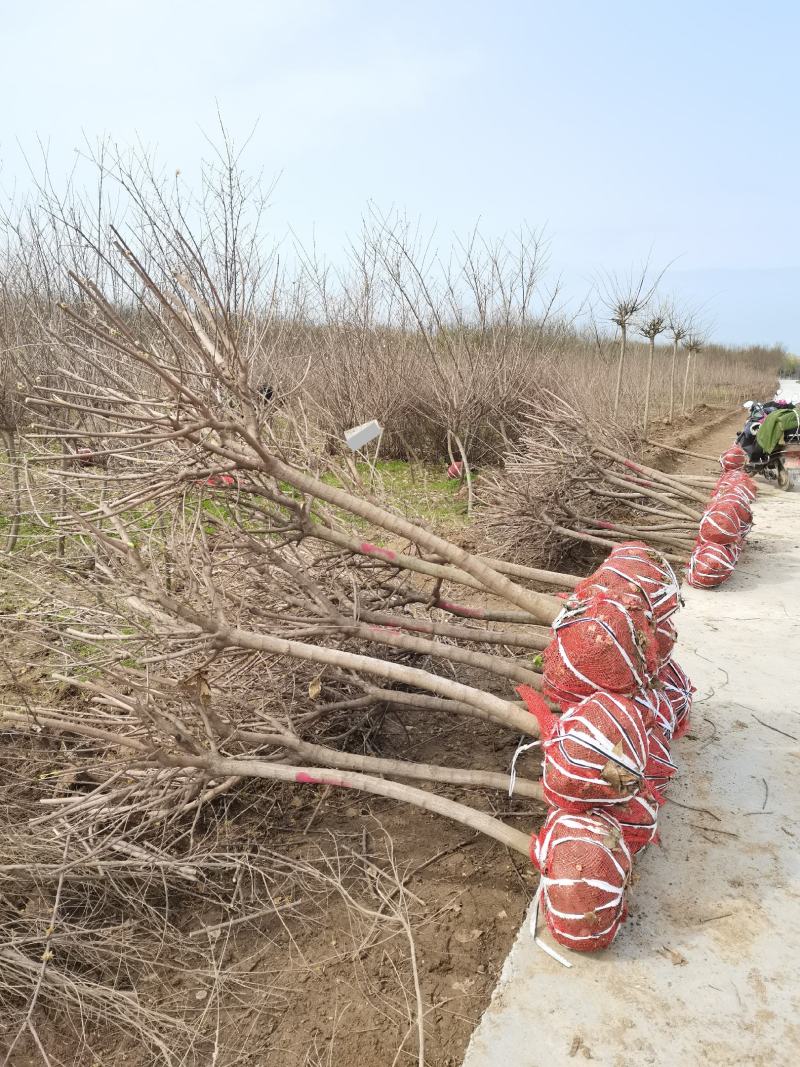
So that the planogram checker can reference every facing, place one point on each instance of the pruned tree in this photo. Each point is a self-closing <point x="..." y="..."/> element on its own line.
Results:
<point x="650" y="328"/>
<point x="694" y="344"/>
<point x="625" y="299"/>
<point x="679" y="325"/>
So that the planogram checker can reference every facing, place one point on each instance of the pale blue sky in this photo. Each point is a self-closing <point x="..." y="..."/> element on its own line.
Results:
<point x="624" y="128"/>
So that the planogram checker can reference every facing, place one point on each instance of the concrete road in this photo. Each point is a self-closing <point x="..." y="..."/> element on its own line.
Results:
<point x="707" y="968"/>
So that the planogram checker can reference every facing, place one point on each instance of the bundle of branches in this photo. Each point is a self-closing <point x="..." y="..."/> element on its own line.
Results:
<point x="147" y="949"/>
<point x="227" y="616"/>
<point x="575" y="481"/>
<point x="209" y="603"/>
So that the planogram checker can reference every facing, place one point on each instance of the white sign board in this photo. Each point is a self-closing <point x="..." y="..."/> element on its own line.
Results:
<point x="362" y="435"/>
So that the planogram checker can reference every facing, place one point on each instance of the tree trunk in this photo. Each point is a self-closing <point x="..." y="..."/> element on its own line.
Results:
<point x="622" y="347"/>
<point x="650" y="356"/>
<point x="686" y="379"/>
<point x="672" y="379"/>
<point x="694" y="384"/>
<point x="16" y="498"/>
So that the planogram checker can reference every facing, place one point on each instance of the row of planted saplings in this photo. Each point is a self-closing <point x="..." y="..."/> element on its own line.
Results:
<point x="607" y="759"/>
<point x="725" y="524"/>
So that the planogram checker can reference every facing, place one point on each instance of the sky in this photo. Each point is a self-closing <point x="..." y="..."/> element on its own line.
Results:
<point x="627" y="131"/>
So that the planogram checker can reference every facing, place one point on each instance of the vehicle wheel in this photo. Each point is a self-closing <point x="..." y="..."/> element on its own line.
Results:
<point x="783" y="478"/>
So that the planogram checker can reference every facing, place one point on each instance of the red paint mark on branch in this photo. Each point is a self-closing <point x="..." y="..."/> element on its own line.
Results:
<point x="309" y="779"/>
<point x="633" y="466"/>
<point x="460" y="609"/>
<point x="375" y="550"/>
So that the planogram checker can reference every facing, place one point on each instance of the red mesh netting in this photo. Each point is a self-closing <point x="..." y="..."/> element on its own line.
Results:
<point x="738" y="493"/>
<point x="660" y="769"/>
<point x="585" y="866"/>
<point x="733" y="458"/>
<point x="634" y="568"/>
<point x="736" y="502"/>
<point x="739" y="481"/>
<point x="655" y="708"/>
<point x="639" y="821"/>
<point x="666" y="636"/>
<point x="678" y="690"/>
<point x="594" y="754"/>
<point x="604" y="643"/>
<point x="711" y="565"/>
<point x="721" y="523"/>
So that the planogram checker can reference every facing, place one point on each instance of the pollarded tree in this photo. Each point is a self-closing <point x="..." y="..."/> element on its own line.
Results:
<point x="625" y="299"/>
<point x="652" y="326"/>
<point x="678" y="327"/>
<point x="693" y="344"/>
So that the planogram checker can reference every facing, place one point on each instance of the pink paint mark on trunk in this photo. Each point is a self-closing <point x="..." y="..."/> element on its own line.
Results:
<point x="375" y="550"/>
<point x="309" y="779"/>
<point x="460" y="609"/>
<point x="604" y="525"/>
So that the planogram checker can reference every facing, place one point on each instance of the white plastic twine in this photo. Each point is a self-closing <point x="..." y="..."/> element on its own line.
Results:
<point x="731" y="529"/>
<point x="712" y="563"/>
<point x="574" y="616"/>
<point x="595" y="839"/>
<point x="523" y="746"/>
<point x="594" y="741"/>
<point x="655" y="701"/>
<point x="675" y="683"/>
<point x="651" y="808"/>
<point x="535" y="928"/>
<point x="666" y="588"/>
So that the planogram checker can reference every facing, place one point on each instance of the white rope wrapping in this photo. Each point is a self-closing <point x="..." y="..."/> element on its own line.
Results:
<point x="656" y="709"/>
<point x="603" y="729"/>
<point x="595" y="831"/>
<point x="678" y="691"/>
<point x="733" y="458"/>
<point x="576" y="615"/>
<point x="663" y="590"/>
<point x="710" y="564"/>
<point x="642" y="831"/>
<point x="721" y="526"/>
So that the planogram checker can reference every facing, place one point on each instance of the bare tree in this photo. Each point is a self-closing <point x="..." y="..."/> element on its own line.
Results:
<point x="678" y="326"/>
<point x="655" y="324"/>
<point x="625" y="299"/>
<point x="694" y="344"/>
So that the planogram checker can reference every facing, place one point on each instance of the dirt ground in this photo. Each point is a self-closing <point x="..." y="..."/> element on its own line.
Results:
<point x="323" y="998"/>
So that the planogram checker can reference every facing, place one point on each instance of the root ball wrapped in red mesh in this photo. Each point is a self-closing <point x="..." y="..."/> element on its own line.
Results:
<point x="733" y="458"/>
<point x="739" y="481"/>
<point x="660" y="769"/>
<point x="710" y="565"/>
<point x="654" y="707"/>
<point x="679" y="691"/>
<point x="634" y="566"/>
<point x="666" y="636"/>
<point x="585" y="867"/>
<point x="594" y="754"/>
<point x="605" y="643"/>
<point x="638" y="819"/>
<point x="722" y="523"/>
